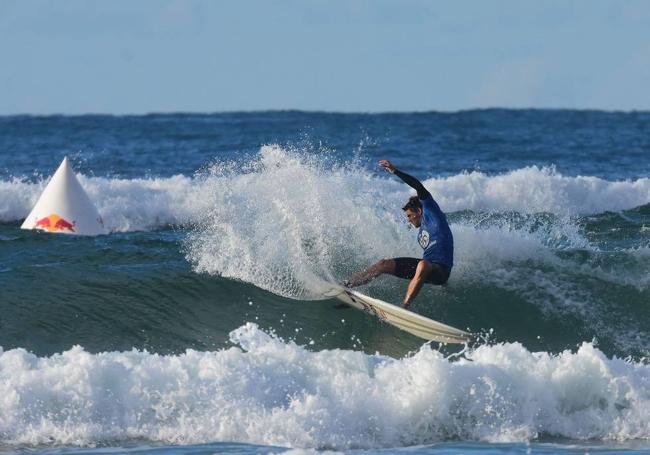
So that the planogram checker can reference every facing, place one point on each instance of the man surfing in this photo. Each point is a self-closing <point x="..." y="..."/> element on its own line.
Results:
<point x="434" y="237"/>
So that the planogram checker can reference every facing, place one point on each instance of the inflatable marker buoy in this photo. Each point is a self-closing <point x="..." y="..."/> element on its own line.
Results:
<point x="65" y="207"/>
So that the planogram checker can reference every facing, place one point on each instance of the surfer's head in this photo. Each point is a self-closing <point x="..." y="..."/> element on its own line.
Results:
<point x="413" y="210"/>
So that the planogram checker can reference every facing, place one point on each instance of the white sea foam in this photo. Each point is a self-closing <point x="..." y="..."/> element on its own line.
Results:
<point x="267" y="391"/>
<point x="533" y="189"/>
<point x="150" y="203"/>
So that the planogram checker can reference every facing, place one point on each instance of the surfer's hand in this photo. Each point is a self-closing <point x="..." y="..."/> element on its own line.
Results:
<point x="405" y="305"/>
<point x="388" y="166"/>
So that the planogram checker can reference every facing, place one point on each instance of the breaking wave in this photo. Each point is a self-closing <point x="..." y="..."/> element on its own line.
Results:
<point x="152" y="203"/>
<point x="527" y="241"/>
<point x="268" y="391"/>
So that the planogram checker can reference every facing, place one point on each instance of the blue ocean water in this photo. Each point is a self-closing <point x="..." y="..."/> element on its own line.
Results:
<point x="197" y="325"/>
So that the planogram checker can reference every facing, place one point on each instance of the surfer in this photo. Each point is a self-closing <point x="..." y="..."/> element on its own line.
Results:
<point x="434" y="237"/>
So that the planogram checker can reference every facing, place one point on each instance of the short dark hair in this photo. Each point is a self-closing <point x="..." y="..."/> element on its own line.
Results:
<point x="413" y="204"/>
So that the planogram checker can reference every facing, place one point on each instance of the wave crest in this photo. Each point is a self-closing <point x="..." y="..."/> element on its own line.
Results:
<point x="152" y="203"/>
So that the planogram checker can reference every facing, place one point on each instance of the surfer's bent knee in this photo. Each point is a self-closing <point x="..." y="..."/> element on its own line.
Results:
<point x="386" y="266"/>
<point x="424" y="269"/>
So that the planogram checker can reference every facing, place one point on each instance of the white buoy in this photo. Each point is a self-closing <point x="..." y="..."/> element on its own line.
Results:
<point x="65" y="207"/>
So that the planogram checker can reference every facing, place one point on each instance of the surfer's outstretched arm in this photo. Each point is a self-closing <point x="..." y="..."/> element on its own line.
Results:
<point x="406" y="178"/>
<point x="414" y="183"/>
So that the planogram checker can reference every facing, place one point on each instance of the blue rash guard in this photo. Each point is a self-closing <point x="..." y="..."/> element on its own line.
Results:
<point x="434" y="235"/>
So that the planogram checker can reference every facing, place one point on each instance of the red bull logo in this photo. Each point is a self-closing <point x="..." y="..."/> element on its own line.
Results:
<point x="54" y="223"/>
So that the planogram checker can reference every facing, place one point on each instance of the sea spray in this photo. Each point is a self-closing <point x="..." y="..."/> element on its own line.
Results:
<point x="291" y="222"/>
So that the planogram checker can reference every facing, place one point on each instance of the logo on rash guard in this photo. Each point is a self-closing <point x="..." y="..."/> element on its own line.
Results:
<point x="424" y="239"/>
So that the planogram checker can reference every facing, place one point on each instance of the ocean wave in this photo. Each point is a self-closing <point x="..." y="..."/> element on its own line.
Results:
<point x="289" y="222"/>
<point x="291" y="226"/>
<point x="152" y="203"/>
<point x="533" y="189"/>
<point x="268" y="391"/>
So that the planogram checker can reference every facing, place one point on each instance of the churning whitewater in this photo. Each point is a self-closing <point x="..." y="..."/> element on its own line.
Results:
<point x="268" y="391"/>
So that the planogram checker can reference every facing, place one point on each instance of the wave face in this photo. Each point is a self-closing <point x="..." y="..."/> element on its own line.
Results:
<point x="291" y="222"/>
<point x="266" y="391"/>
<point x="539" y="256"/>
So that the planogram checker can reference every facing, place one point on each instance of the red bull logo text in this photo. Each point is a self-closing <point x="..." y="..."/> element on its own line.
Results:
<point x="54" y="223"/>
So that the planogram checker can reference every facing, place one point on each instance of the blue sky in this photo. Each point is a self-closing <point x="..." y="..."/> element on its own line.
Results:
<point x="85" y="56"/>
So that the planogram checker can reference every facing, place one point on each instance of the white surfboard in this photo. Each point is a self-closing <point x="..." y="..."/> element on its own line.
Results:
<point x="401" y="318"/>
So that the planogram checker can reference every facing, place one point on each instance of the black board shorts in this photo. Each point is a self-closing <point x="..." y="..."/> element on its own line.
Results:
<point x="405" y="268"/>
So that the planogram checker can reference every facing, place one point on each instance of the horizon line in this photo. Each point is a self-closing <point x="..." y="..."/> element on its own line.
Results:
<point x="323" y="112"/>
